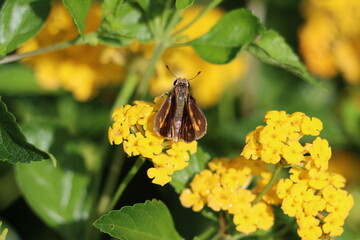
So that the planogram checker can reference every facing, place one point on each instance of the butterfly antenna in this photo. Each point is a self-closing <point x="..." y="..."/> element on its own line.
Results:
<point x="170" y="71"/>
<point x="195" y="76"/>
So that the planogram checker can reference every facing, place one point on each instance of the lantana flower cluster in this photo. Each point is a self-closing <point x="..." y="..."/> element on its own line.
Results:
<point x="134" y="128"/>
<point x="317" y="201"/>
<point x="279" y="139"/>
<point x="223" y="187"/>
<point x="311" y="194"/>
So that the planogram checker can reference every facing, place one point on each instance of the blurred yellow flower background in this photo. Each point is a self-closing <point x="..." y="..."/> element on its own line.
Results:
<point x="330" y="38"/>
<point x="85" y="69"/>
<point x="347" y="164"/>
<point x="81" y="69"/>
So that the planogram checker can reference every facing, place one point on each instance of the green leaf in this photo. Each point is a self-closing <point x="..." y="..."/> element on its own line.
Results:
<point x="197" y="162"/>
<point x="182" y="4"/>
<point x="71" y="114"/>
<point x="78" y="10"/>
<point x="9" y="191"/>
<point x="150" y="220"/>
<point x="18" y="79"/>
<point x="223" y="42"/>
<point x="40" y="130"/>
<point x="19" y="21"/>
<point x="272" y="49"/>
<point x="59" y="195"/>
<point x="152" y="8"/>
<point x="14" y="147"/>
<point x="122" y="23"/>
<point x="350" y="117"/>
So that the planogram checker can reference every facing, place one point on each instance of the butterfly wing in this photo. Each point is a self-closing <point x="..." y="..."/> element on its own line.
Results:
<point x="187" y="132"/>
<point x="193" y="122"/>
<point x="163" y="118"/>
<point x="197" y="118"/>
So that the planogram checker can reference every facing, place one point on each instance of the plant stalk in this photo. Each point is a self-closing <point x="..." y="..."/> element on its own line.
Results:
<point x="145" y="81"/>
<point x="127" y="90"/>
<point x="104" y="199"/>
<point x="273" y="178"/>
<point x="47" y="49"/>
<point x="124" y="183"/>
<point x="162" y="42"/>
<point x="109" y="186"/>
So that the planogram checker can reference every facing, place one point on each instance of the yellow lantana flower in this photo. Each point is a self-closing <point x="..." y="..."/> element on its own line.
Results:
<point x="304" y="201"/>
<point x="133" y="127"/>
<point x="223" y="187"/>
<point x="311" y="194"/>
<point x="278" y="141"/>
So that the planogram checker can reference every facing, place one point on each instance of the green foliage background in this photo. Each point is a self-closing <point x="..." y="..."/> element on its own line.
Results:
<point x="48" y="198"/>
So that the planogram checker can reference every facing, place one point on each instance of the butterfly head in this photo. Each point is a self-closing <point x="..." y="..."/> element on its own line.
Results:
<point x="182" y="82"/>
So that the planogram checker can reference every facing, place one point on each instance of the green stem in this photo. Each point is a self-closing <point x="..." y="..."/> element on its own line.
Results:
<point x="210" y="6"/>
<point x="127" y="89"/>
<point x="226" y="108"/>
<point x="274" y="176"/>
<point x="282" y="231"/>
<point x="172" y="23"/>
<point x="58" y="46"/>
<point x="134" y="169"/>
<point x="109" y="186"/>
<point x="92" y="233"/>
<point x="219" y="234"/>
<point x="223" y="226"/>
<point x="145" y="81"/>
<point x="166" y="14"/>
<point x="162" y="41"/>
<point x="104" y="199"/>
<point x="122" y="98"/>
<point x="209" y="231"/>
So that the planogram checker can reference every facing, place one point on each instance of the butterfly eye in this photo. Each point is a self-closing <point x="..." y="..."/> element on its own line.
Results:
<point x="175" y="82"/>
